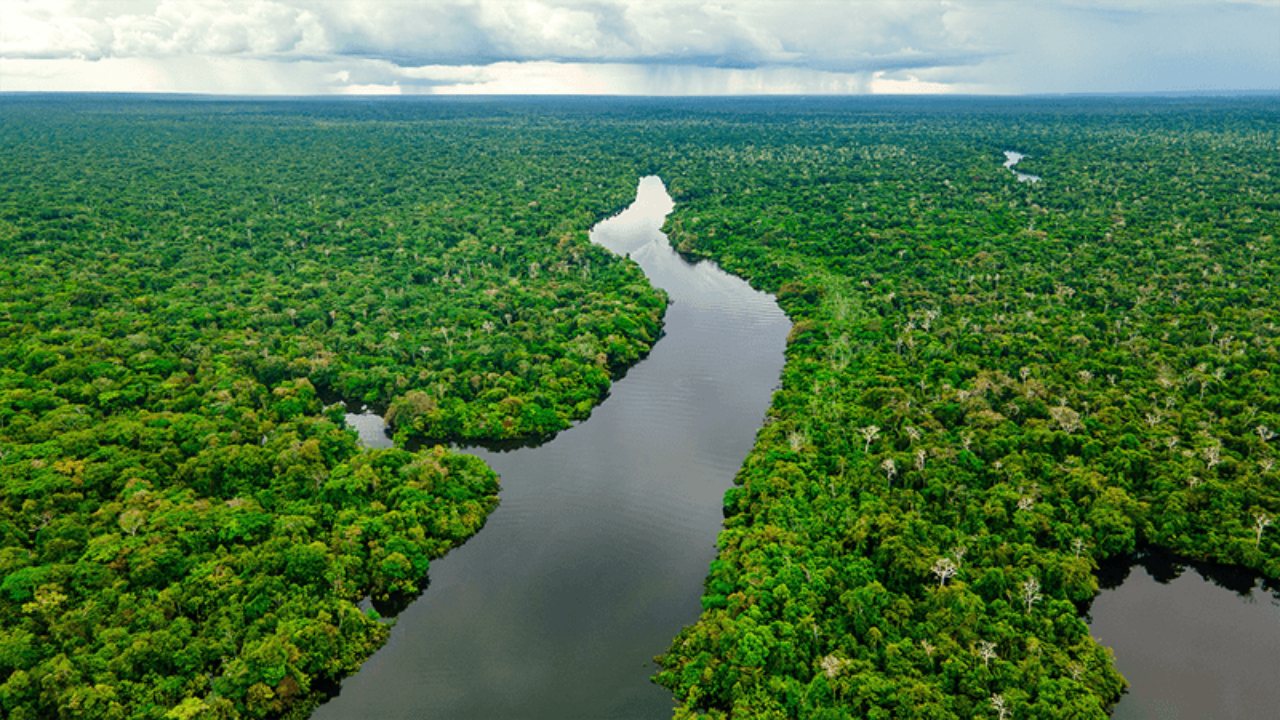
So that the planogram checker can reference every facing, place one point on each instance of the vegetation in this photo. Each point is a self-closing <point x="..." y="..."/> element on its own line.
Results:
<point x="990" y="387"/>
<point x="186" y="528"/>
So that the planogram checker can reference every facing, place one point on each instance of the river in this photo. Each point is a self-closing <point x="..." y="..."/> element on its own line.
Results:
<point x="1201" y="644"/>
<point x="1011" y="158"/>
<point x="596" y="555"/>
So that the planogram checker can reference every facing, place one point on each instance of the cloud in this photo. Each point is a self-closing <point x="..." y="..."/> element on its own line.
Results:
<point x="366" y="76"/>
<point x="545" y="77"/>
<point x="882" y="83"/>
<point x="708" y="46"/>
<point x="51" y="30"/>
<point x="96" y="30"/>
<point x="185" y="74"/>
<point x="817" y="33"/>
<point x="371" y="89"/>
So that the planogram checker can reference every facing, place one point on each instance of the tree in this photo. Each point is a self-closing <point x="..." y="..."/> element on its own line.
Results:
<point x="869" y="433"/>
<point x="832" y="666"/>
<point x="944" y="568"/>
<point x="1030" y="592"/>
<point x="890" y="469"/>
<point x="987" y="651"/>
<point x="1000" y="706"/>
<point x="1213" y="455"/>
<point x="1067" y="419"/>
<point x="131" y="520"/>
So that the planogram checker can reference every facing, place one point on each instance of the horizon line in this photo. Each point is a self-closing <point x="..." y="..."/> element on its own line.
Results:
<point x="1239" y="92"/>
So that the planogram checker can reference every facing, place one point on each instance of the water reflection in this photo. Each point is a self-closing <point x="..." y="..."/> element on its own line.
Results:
<point x="596" y="555"/>
<point x="1201" y="644"/>
<point x="1012" y="158"/>
<point x="371" y="428"/>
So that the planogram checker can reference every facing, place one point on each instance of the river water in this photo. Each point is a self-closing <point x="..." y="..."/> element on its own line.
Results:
<point x="1011" y="158"/>
<point x="596" y="555"/>
<point x="1192" y="644"/>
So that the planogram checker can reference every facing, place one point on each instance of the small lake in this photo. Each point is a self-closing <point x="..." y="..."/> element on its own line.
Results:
<point x="1194" y="641"/>
<point x="1012" y="158"/>
<point x="596" y="555"/>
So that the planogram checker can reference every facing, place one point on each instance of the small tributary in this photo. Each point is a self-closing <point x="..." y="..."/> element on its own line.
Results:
<point x="596" y="555"/>
<point x="1012" y="158"/>
<point x="1194" y="641"/>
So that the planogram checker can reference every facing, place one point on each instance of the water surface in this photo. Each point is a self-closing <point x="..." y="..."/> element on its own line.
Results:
<point x="596" y="555"/>
<point x="1012" y="158"/>
<point x="1193" y="645"/>
<point x="371" y="428"/>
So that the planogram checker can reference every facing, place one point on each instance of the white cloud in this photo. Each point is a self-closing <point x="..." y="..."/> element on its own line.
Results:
<point x="188" y="74"/>
<point x="694" y="46"/>
<point x="740" y="34"/>
<point x="552" y="78"/>
<point x="371" y="89"/>
<point x="49" y="30"/>
<point x="909" y="84"/>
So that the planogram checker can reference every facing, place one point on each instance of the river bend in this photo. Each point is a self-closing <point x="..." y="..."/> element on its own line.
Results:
<point x="596" y="555"/>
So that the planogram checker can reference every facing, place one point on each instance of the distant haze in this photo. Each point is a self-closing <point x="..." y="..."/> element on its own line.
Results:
<point x="644" y="47"/>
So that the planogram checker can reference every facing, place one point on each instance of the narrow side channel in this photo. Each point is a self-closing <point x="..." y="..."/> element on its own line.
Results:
<point x="1012" y="158"/>
<point x="596" y="556"/>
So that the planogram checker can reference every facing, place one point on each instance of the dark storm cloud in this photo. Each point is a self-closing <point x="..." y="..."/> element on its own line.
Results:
<point x="974" y="45"/>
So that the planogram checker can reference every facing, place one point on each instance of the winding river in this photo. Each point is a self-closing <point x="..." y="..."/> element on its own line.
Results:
<point x="595" y="558"/>
<point x="596" y="555"/>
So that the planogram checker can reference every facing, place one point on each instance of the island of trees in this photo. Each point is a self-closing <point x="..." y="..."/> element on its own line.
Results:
<point x="991" y="385"/>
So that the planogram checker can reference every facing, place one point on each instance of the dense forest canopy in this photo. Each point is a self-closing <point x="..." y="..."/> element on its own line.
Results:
<point x="991" y="385"/>
<point x="187" y="526"/>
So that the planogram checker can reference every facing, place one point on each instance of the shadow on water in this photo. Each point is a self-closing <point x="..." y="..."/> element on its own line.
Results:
<point x="1164" y="567"/>
<point x="596" y="554"/>
<point x="1200" y="644"/>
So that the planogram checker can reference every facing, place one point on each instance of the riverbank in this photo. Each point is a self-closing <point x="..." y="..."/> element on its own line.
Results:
<point x="597" y="553"/>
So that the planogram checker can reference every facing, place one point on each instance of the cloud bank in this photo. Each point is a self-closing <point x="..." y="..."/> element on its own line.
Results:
<point x="637" y="47"/>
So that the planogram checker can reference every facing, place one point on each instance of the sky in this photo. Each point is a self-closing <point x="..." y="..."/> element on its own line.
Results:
<point x="639" y="47"/>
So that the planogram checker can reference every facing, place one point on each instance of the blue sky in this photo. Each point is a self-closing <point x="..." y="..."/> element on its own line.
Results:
<point x="676" y="47"/>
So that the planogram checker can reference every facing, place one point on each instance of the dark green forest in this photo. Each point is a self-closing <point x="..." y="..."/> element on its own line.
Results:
<point x="991" y="386"/>
<point x="187" y="525"/>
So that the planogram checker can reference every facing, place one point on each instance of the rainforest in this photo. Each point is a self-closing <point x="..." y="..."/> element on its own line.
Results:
<point x="999" y="381"/>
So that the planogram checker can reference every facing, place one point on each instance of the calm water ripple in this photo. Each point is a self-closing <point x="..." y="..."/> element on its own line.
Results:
<point x="595" y="558"/>
<point x="1194" y="641"/>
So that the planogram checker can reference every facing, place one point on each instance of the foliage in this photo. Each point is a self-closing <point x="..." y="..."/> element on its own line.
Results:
<point x="186" y="528"/>
<point x="990" y="387"/>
